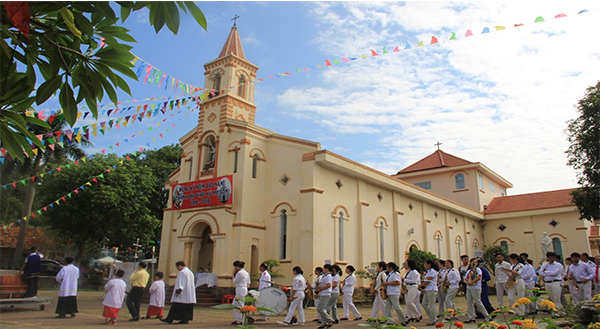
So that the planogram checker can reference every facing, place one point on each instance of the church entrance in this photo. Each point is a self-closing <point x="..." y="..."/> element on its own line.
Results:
<point x="203" y="247"/>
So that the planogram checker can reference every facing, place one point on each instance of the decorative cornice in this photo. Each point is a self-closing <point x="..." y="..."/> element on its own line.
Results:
<point x="311" y="190"/>
<point x="259" y="227"/>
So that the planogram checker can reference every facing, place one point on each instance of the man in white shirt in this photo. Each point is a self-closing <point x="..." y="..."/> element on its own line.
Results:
<point x="501" y="277"/>
<point x="551" y="272"/>
<point x="585" y="258"/>
<point x="67" y="295"/>
<point x="583" y="276"/>
<point x="597" y="276"/>
<point x="473" y="282"/>
<point x="265" y="277"/>
<point x="184" y="296"/>
<point x="379" y="303"/>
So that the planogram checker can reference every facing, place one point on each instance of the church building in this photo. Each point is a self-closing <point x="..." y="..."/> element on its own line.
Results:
<point x="248" y="193"/>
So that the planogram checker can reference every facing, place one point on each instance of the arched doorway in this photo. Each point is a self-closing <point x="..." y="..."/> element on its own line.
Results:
<point x="203" y="247"/>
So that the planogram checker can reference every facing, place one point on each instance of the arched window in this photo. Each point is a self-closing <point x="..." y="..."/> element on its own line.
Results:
<point x="460" y="181"/>
<point x="459" y="244"/>
<point x="341" y="236"/>
<point x="283" y="234"/>
<point x="475" y="245"/>
<point x="210" y="152"/>
<point x="255" y="164"/>
<point x="381" y="240"/>
<point x="217" y="83"/>
<point x="241" y="87"/>
<point x="438" y="238"/>
<point x="557" y="246"/>
<point x="235" y="160"/>
<point x="191" y="168"/>
<point x="504" y="245"/>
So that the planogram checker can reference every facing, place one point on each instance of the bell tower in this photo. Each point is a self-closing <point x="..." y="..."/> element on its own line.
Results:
<point x="231" y="92"/>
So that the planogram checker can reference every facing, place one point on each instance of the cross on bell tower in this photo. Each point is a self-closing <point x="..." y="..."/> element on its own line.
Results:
<point x="438" y="145"/>
<point x="234" y="19"/>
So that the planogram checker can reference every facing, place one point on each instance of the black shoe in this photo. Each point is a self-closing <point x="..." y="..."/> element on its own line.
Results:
<point x="134" y="319"/>
<point x="315" y="320"/>
<point x="336" y="321"/>
<point x="165" y="320"/>
<point x="329" y="324"/>
<point x="72" y="315"/>
<point x="183" y="322"/>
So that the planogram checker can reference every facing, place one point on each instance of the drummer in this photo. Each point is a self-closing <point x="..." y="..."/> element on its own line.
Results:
<point x="265" y="277"/>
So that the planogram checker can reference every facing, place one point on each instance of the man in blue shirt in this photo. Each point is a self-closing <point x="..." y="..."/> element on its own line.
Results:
<point x="31" y="271"/>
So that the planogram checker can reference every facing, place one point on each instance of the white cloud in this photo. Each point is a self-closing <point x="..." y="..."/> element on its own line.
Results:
<point x="501" y="98"/>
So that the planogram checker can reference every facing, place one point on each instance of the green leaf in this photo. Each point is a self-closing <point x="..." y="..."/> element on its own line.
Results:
<point x="47" y="88"/>
<point x="110" y="91"/>
<point x="67" y="102"/>
<point x="22" y="105"/>
<point x="125" y="11"/>
<point x="84" y="24"/>
<point x="157" y="15"/>
<point x="14" y="148"/>
<point x="196" y="13"/>
<point x="67" y="16"/>
<point x="172" y="16"/>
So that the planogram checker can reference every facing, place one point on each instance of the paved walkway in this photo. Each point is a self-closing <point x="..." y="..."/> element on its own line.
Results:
<point x="90" y="316"/>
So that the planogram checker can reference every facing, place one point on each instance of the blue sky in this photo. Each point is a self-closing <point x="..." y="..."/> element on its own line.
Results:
<point x="501" y="98"/>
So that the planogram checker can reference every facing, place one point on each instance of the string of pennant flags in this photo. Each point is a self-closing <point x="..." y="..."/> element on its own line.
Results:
<point x="41" y="175"/>
<point x="152" y="75"/>
<point x="58" y="138"/>
<point x="156" y="76"/>
<point x="81" y="188"/>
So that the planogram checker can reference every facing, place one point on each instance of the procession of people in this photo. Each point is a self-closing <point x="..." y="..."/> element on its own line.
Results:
<point x="429" y="292"/>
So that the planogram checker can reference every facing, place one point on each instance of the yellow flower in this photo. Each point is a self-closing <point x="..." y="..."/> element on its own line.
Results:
<point x="494" y="323"/>
<point x="523" y="301"/>
<point x="596" y="305"/>
<point x="529" y="324"/>
<point x="550" y="305"/>
<point x="597" y="297"/>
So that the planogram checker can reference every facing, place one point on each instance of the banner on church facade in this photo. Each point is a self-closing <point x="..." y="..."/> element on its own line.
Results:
<point x="203" y="193"/>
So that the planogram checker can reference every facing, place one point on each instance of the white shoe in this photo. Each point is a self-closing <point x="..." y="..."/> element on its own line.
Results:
<point x="298" y="324"/>
<point x="283" y="323"/>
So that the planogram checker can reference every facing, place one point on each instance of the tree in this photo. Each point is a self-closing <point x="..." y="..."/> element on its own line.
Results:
<point x="115" y="208"/>
<point x="489" y="256"/>
<point x="161" y="162"/>
<point x="78" y="50"/>
<point x="584" y="153"/>
<point x="421" y="256"/>
<point x="40" y="162"/>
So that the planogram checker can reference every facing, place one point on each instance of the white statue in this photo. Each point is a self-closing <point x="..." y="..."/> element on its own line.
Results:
<point x="546" y="244"/>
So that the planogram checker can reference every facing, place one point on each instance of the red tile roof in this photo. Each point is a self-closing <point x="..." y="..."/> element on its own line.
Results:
<point x="531" y="201"/>
<point x="437" y="159"/>
<point x="33" y="236"/>
<point x="233" y="45"/>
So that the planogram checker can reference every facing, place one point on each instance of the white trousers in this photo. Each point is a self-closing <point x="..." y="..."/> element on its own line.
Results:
<point x="515" y="292"/>
<point x="296" y="305"/>
<point x="393" y="302"/>
<point x="429" y="305"/>
<point x="585" y="291"/>
<point x="332" y="305"/>
<point x="441" y="298"/>
<point x="474" y="297"/>
<point x="574" y="293"/>
<point x="316" y="308"/>
<point x="450" y="295"/>
<point x="413" y="307"/>
<point x="531" y="307"/>
<point x="349" y="305"/>
<point x="554" y="290"/>
<point x="500" y="291"/>
<point x="378" y="306"/>
<point x="240" y="294"/>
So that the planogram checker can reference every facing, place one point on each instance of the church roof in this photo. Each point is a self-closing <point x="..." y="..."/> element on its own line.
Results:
<point x="437" y="159"/>
<point x="233" y="45"/>
<point x="531" y="201"/>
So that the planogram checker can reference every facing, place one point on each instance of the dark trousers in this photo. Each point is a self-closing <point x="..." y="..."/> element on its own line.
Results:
<point x="134" y="298"/>
<point x="32" y="286"/>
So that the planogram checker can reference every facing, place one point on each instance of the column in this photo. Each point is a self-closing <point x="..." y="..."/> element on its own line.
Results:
<point x="187" y="253"/>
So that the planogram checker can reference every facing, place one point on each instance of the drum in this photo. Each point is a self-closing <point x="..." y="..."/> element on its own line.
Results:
<point x="272" y="298"/>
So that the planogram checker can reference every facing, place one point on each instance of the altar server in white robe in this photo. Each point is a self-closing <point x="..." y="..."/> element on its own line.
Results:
<point x="296" y="297"/>
<point x="348" y="290"/>
<point x="379" y="303"/>
<point x="115" y="294"/>
<point x="157" y="297"/>
<point x="241" y="279"/>
<point x="184" y="296"/>
<point x="67" y="295"/>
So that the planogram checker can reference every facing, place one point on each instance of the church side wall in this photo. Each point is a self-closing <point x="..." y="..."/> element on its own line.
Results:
<point x="524" y="230"/>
